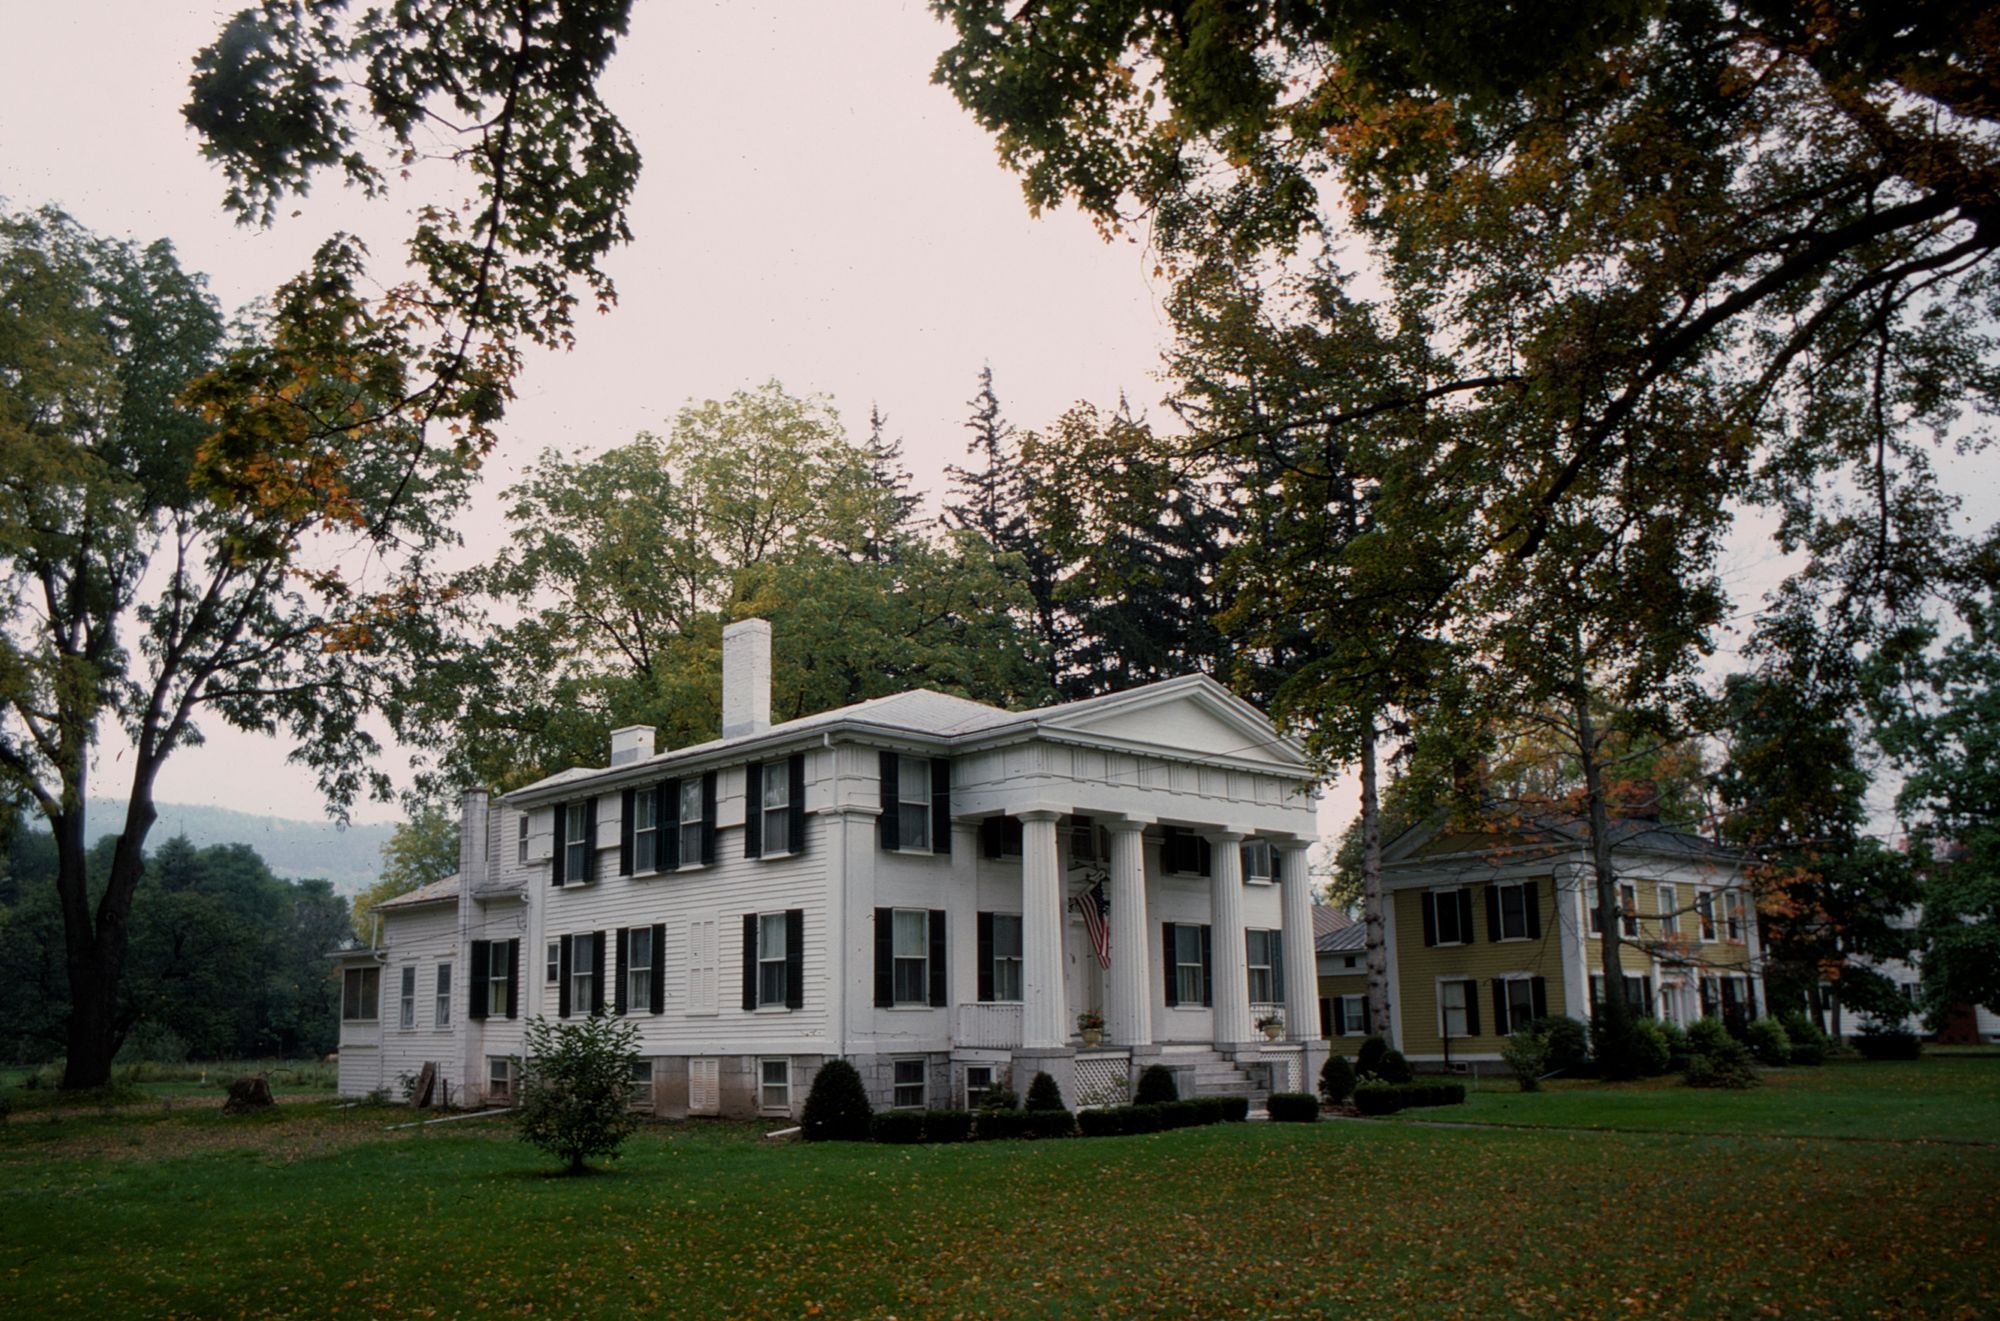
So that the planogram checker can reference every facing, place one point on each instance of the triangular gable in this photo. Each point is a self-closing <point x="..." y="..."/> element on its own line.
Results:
<point x="1194" y="716"/>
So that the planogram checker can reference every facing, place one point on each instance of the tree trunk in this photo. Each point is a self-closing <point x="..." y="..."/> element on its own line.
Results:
<point x="96" y="948"/>
<point x="1371" y="887"/>
<point x="1613" y="1015"/>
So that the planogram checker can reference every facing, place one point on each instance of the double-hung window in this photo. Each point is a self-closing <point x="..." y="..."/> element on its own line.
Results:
<point x="639" y="958"/>
<point x="499" y="978"/>
<point x="777" y="809"/>
<point x="1458" y="1007"/>
<point x="978" y="1082"/>
<point x="916" y="804"/>
<point x="1188" y="964"/>
<point x="521" y="841"/>
<point x="1447" y="916"/>
<point x="583" y="964"/>
<point x="1083" y="844"/>
<point x="909" y="1085"/>
<point x="1670" y="917"/>
<point x="553" y="975"/>
<point x="692" y="815"/>
<point x="1517" y="1002"/>
<point x="408" y="1015"/>
<point x="1006" y="956"/>
<point x="1262" y="954"/>
<point x="913" y="803"/>
<point x="1349" y="1014"/>
<point x="443" y="1004"/>
<point x="775" y="1084"/>
<point x="575" y="820"/>
<point x="771" y="959"/>
<point x="646" y="830"/>
<point x="1513" y="912"/>
<point x="641" y="1097"/>
<point x="1628" y="911"/>
<point x="1258" y="863"/>
<point x="912" y="937"/>
<point x="499" y="1078"/>
<point x="1732" y="912"/>
<point x="361" y="988"/>
<point x="1704" y="913"/>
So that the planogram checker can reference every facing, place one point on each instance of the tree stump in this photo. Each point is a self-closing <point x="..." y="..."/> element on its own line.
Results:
<point x="249" y="1093"/>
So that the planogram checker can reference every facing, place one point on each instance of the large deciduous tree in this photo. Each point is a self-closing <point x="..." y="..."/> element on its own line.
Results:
<point x="131" y="598"/>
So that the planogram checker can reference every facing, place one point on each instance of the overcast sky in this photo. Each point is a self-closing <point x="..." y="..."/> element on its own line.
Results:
<point x="811" y="210"/>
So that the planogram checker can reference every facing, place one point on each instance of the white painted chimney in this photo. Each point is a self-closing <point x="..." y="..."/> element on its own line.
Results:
<point x="746" y="678"/>
<point x="630" y="744"/>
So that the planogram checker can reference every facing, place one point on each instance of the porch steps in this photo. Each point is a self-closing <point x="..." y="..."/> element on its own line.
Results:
<point x="1217" y="1075"/>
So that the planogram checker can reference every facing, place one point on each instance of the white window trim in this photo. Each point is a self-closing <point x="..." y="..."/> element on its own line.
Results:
<point x="1270" y="853"/>
<point x="1630" y="926"/>
<point x="361" y="978"/>
<point x="504" y="1064"/>
<point x="1521" y="888"/>
<point x="1437" y="998"/>
<point x="406" y="998"/>
<point x="1526" y="978"/>
<point x="1666" y="900"/>
<point x="652" y="1084"/>
<point x="766" y="1005"/>
<point x="441" y="997"/>
<point x="1019" y="962"/>
<point x="687" y="862"/>
<point x="1454" y="891"/>
<point x="763" y="1103"/>
<point x="924" y="1068"/>
<point x="636" y="976"/>
<point x="781" y="768"/>
<point x="923" y="999"/>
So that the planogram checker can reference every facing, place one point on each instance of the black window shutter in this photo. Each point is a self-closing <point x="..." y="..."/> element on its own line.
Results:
<point x="1207" y="967"/>
<point x="513" y="979"/>
<point x="985" y="958"/>
<point x="1472" y="1009"/>
<point x="561" y="842"/>
<point x="940" y="990"/>
<point x="562" y="976"/>
<point x="753" y="810"/>
<point x="1173" y="977"/>
<point x="890" y="824"/>
<point x="795" y="958"/>
<point x="940" y="805"/>
<point x="475" y="1000"/>
<point x="1277" y="865"/>
<point x="1646" y="987"/>
<point x="992" y="836"/>
<point x="1332" y="1016"/>
<point x="667" y="827"/>
<point x="1503" y="1023"/>
<point x="749" y="961"/>
<point x="1493" y="913"/>
<point x="596" y="939"/>
<point x="1205" y="853"/>
<point x="628" y="803"/>
<point x="798" y="813"/>
<point x="1465" y="919"/>
<point x="885" y="957"/>
<point x="618" y="1002"/>
<point x="1429" y="902"/>
<point x="1538" y="996"/>
<point x="658" y="991"/>
<point x="708" y="818"/>
<point x="589" y="840"/>
<point x="1531" y="901"/>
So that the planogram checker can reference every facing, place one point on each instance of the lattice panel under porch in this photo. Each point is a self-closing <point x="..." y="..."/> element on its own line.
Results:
<point x="1102" y="1079"/>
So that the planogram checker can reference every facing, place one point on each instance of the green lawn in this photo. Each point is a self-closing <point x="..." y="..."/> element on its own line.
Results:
<point x="1955" y="1100"/>
<point x="313" y="1212"/>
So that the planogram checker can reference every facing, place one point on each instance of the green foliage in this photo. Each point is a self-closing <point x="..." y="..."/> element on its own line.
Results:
<point x="1568" y="1038"/>
<point x="1527" y="1054"/>
<point x="897" y="1126"/>
<point x="1336" y="1079"/>
<point x="1809" y="1044"/>
<point x="837" y="1108"/>
<point x="1293" y="1108"/>
<point x="1708" y="1036"/>
<point x="1652" y="1050"/>
<point x="421" y="850"/>
<point x="1729" y="1069"/>
<point x="1156" y="1085"/>
<point x="1387" y="1098"/>
<point x="998" y="1098"/>
<point x="1391" y="1068"/>
<point x="1768" y="1042"/>
<point x="576" y="1088"/>
<point x="1876" y="1042"/>
<point x="1369" y="1058"/>
<point x="1043" y="1094"/>
<point x="948" y="1125"/>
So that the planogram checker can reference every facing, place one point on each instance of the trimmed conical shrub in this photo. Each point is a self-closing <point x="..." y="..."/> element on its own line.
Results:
<point x="1043" y="1094"/>
<point x="1156" y="1086"/>
<point x="837" y="1108"/>
<point x="1336" y="1079"/>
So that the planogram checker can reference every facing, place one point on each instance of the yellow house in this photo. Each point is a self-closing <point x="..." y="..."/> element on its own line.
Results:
<point x="1341" y="955"/>
<point x="1489" y="928"/>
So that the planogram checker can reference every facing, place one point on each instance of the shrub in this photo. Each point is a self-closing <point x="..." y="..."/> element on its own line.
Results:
<point x="1809" y="1043"/>
<point x="1387" y="1098"/>
<point x="1213" y="1109"/>
<point x="1527" y="1054"/>
<point x="1156" y="1085"/>
<point x="1677" y="1039"/>
<point x="1235" y="1109"/>
<point x="837" y="1108"/>
<point x="1619" y="1046"/>
<point x="1108" y="1122"/>
<point x="1876" y="1042"/>
<point x="1769" y="1042"/>
<point x="1727" y="1066"/>
<point x="947" y="1126"/>
<point x="996" y="1125"/>
<point x="1293" y="1108"/>
<point x="1649" y="1047"/>
<point x="997" y="1098"/>
<point x="1393" y="1068"/>
<point x="1707" y="1035"/>
<point x="1043" y="1094"/>
<point x="1569" y="1042"/>
<point x="1179" y="1114"/>
<point x="576" y="1086"/>
<point x="1049" y="1123"/>
<point x="1369" y="1060"/>
<point x="897" y="1126"/>
<point x="1336" y="1079"/>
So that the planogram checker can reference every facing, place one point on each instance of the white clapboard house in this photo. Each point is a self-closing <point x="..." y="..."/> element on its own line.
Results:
<point x="905" y="883"/>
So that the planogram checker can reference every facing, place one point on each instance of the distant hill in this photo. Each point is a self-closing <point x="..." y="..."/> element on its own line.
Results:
<point x="347" y="856"/>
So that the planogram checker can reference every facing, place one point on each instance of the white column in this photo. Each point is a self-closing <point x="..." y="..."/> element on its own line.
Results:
<point x="1044" y="1013"/>
<point x="1231" y="968"/>
<point x="1129" y="1016"/>
<point x="1301" y="989"/>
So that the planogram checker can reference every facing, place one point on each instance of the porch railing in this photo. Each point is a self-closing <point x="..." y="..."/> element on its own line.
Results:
<point x="988" y="1026"/>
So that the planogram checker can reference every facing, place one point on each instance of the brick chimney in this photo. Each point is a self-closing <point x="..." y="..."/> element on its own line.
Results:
<point x="746" y="678"/>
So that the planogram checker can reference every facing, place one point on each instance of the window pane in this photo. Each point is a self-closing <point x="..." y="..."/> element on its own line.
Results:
<point x="912" y="933"/>
<point x="645" y="809"/>
<point x="691" y="801"/>
<point x="1006" y="936"/>
<point x="909" y="1083"/>
<point x="1187" y="945"/>
<point x="771" y="936"/>
<point x="1006" y="979"/>
<point x="777" y="1084"/>
<point x="554" y="973"/>
<point x="914" y="825"/>
<point x="777" y="785"/>
<point x="771" y="982"/>
<point x="913" y="780"/>
<point x="912" y="981"/>
<point x="1513" y="912"/>
<point x="777" y="831"/>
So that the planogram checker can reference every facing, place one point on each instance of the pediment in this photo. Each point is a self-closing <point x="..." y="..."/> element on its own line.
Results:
<point x="1190" y="717"/>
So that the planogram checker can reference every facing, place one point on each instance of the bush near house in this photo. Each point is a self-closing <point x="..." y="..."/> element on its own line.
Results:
<point x="837" y="1108"/>
<point x="1293" y="1108"/>
<point x="947" y="1126"/>
<point x="1336" y="1079"/>
<point x="1387" y="1098"/>
<point x="1043" y="1094"/>
<point x="897" y="1126"/>
<point x="1369" y="1058"/>
<point x="576" y="1088"/>
<point x="1726" y="1067"/>
<point x="1527" y="1054"/>
<point x="1887" y="1043"/>
<point x="1809" y="1043"/>
<point x="1769" y="1042"/>
<point x="1156" y="1085"/>
<point x="1569" y="1042"/>
<point x="1391" y="1068"/>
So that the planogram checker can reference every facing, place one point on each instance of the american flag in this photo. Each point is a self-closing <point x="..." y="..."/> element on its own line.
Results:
<point x="1093" y="905"/>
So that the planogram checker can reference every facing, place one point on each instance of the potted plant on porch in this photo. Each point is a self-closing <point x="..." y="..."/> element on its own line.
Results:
<point x="1090" y="1024"/>
<point x="1273" y="1026"/>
